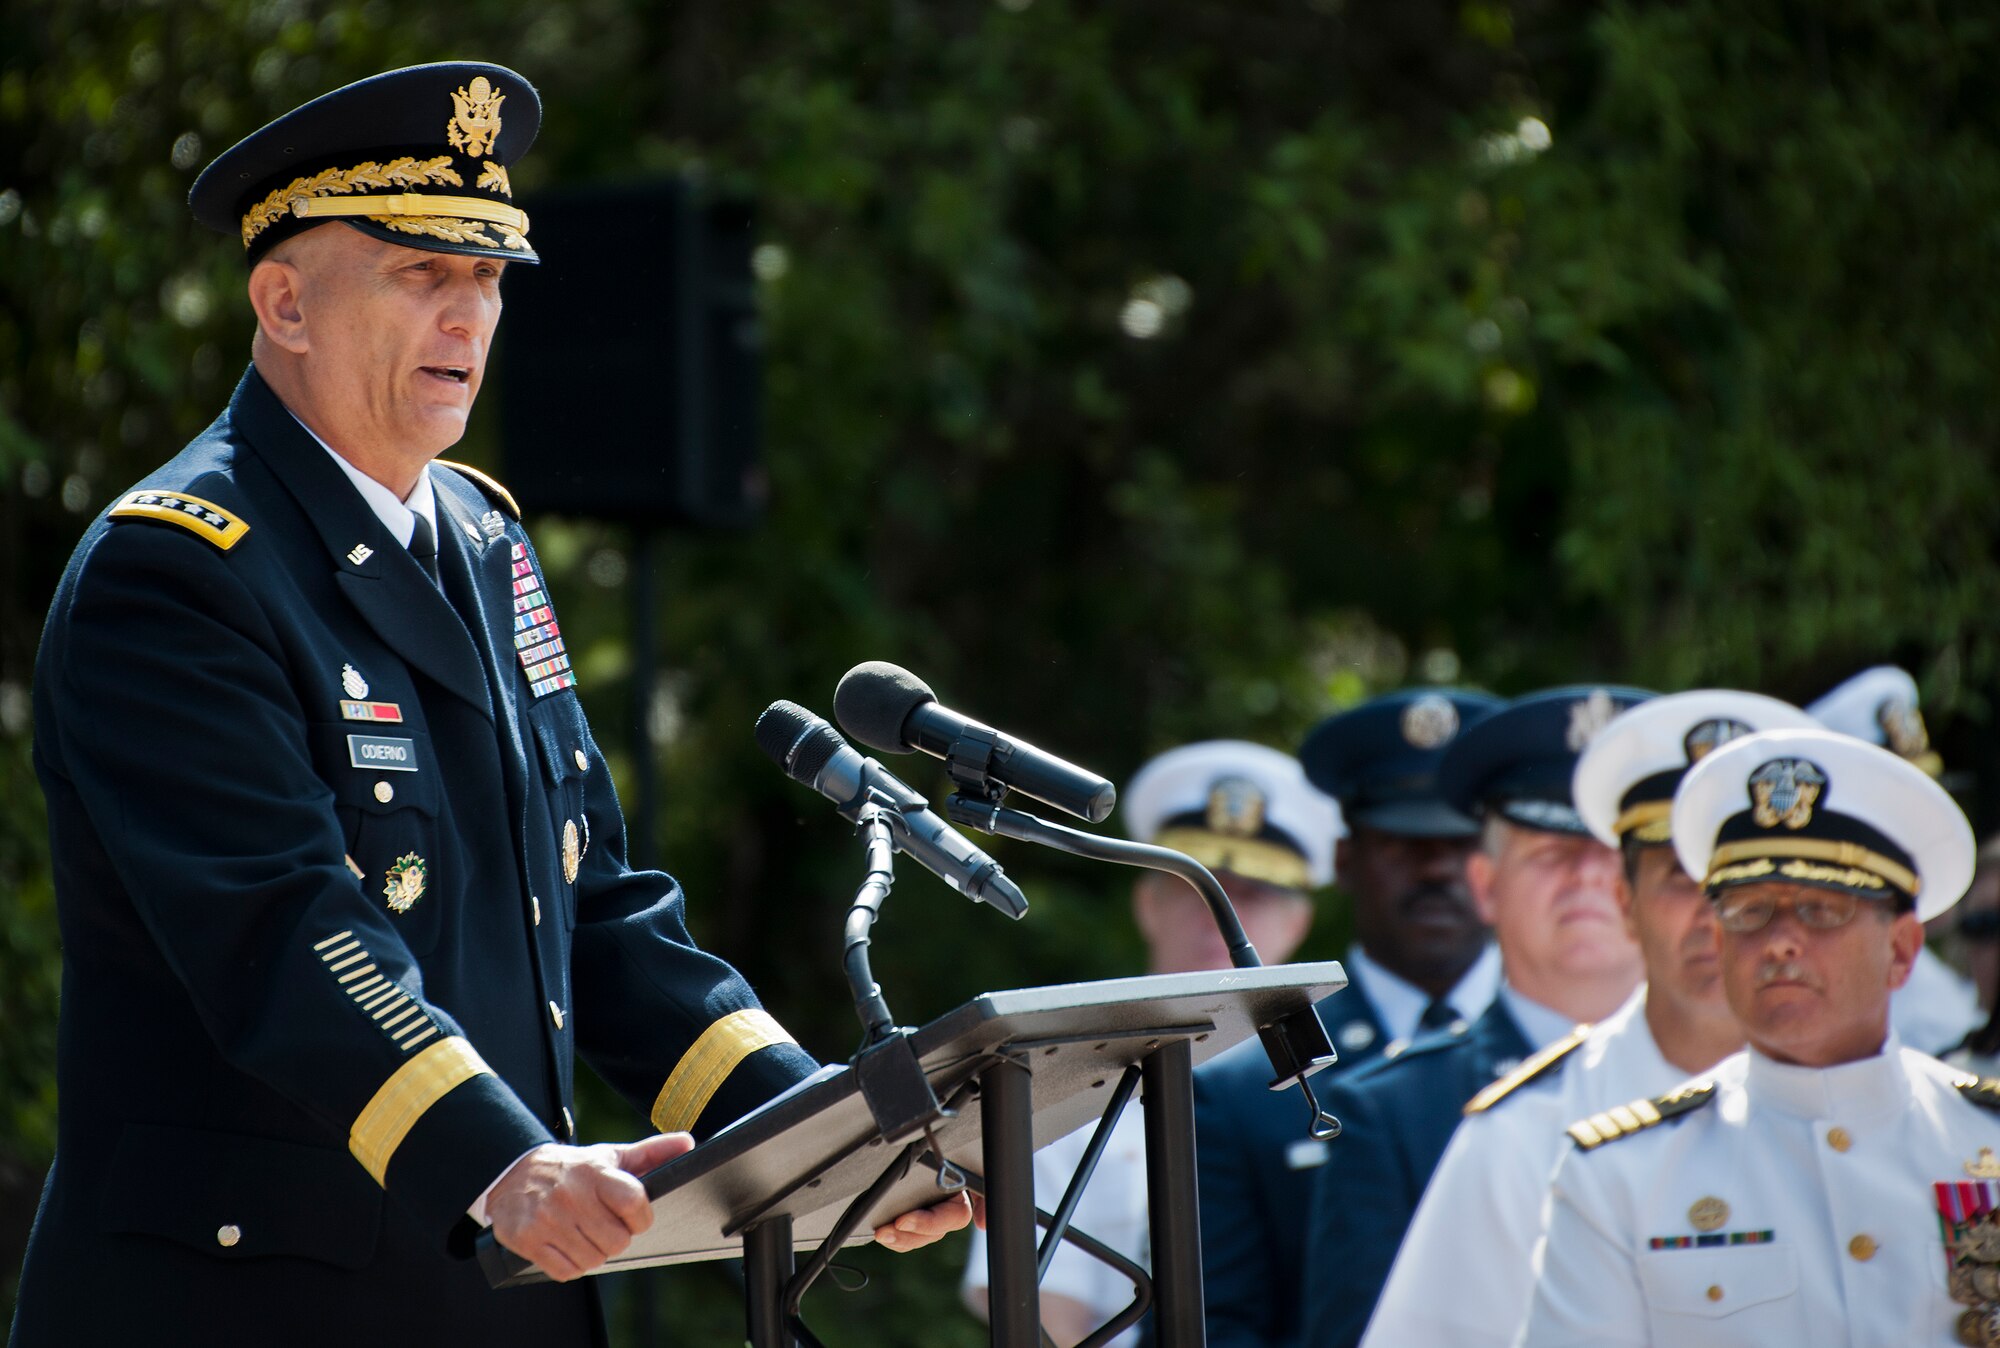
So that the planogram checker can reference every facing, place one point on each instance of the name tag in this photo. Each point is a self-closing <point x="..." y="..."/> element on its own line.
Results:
<point x="378" y="751"/>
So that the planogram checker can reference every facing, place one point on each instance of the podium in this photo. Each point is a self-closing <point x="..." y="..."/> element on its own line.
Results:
<point x="813" y="1170"/>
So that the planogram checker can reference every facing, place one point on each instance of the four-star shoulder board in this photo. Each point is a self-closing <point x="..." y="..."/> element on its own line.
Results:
<point x="1625" y="1120"/>
<point x="205" y="519"/>
<point x="1537" y="1066"/>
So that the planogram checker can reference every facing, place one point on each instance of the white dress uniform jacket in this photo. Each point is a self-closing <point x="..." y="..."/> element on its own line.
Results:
<point x="1463" y="1275"/>
<point x="1797" y="1206"/>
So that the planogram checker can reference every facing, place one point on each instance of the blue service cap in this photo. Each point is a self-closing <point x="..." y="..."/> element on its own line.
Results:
<point x="1519" y="761"/>
<point x="1380" y="759"/>
<point x="417" y="156"/>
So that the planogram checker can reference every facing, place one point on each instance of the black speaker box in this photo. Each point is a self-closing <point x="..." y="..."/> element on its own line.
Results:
<point x="628" y="360"/>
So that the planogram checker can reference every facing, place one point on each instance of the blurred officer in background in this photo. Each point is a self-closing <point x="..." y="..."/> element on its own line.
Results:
<point x="1550" y="891"/>
<point x="1421" y="958"/>
<point x="1248" y="814"/>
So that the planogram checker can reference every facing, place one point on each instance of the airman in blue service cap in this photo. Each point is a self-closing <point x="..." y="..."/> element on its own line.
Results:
<point x="1380" y="759"/>
<point x="417" y="156"/>
<point x="1517" y="763"/>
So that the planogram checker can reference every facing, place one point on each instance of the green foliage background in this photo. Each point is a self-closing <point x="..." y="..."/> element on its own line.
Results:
<point x="1137" y="372"/>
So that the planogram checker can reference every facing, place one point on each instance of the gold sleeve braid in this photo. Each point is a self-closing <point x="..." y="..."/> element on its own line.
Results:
<point x="403" y="1099"/>
<point x="707" y="1064"/>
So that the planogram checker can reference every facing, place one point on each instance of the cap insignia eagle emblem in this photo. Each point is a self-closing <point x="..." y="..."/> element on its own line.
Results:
<point x="1429" y="722"/>
<point x="1236" y="808"/>
<point x="1709" y="736"/>
<point x="1587" y="718"/>
<point x="475" y="121"/>
<point x="1784" y="790"/>
<point x="1903" y="727"/>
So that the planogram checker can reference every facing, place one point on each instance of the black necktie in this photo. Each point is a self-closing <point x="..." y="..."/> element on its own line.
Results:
<point x="1437" y="1015"/>
<point x="424" y="547"/>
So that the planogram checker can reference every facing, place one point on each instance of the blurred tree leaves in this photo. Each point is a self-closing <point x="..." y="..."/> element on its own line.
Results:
<point x="1136" y="373"/>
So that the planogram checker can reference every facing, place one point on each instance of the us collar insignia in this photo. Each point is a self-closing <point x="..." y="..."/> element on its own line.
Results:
<point x="472" y="532"/>
<point x="1587" y="718"/>
<point x="360" y="553"/>
<point x="1429" y="722"/>
<point x="494" y="523"/>
<point x="351" y="681"/>
<point x="1709" y="736"/>
<point x="1784" y="790"/>
<point x="406" y="883"/>
<point x="1236" y="808"/>
<point x="475" y="119"/>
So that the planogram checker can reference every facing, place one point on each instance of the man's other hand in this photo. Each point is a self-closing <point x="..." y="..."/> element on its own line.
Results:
<point x="569" y="1209"/>
<point x="924" y="1226"/>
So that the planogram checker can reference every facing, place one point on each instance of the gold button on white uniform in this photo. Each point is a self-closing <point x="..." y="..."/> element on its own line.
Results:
<point x="1838" y="1139"/>
<point x="1714" y="1292"/>
<point x="555" y="1014"/>
<point x="1862" y="1247"/>
<point x="582" y="761"/>
<point x="226" y="1236"/>
<point x="384" y="792"/>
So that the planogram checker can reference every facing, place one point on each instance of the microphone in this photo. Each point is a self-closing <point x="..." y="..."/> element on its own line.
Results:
<point x="890" y="709"/>
<point x="813" y="752"/>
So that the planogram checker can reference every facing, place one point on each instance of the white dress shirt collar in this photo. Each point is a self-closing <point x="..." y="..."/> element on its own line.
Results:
<point x="1399" y="1004"/>
<point x="1859" y="1089"/>
<point x="1539" y="1025"/>
<point x="398" y="517"/>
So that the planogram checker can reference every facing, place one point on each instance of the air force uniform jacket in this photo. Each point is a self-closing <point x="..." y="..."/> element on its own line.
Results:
<point x="1778" y="1204"/>
<point x="342" y="886"/>
<point x="1463" y="1274"/>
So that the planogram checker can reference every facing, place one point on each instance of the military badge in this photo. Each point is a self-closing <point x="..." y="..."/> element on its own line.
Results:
<point x="351" y="681"/>
<point x="538" y="642"/>
<point x="1709" y="736"/>
<point x="572" y="849"/>
<point x="493" y="523"/>
<point x="1708" y="1214"/>
<point x="360" y="553"/>
<point x="1236" y="808"/>
<point x="1903" y="727"/>
<point x="1984" y="1165"/>
<point x="1784" y="790"/>
<point x="1356" y="1035"/>
<point x="1429" y="722"/>
<point x="406" y="883"/>
<point x="1970" y="1224"/>
<point x="1587" y="718"/>
<point x="475" y="119"/>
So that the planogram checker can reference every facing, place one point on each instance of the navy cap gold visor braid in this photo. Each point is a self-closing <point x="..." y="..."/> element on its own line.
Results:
<point x="417" y="157"/>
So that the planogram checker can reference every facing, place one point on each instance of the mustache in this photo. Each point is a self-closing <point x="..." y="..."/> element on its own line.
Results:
<point x="1782" y="971"/>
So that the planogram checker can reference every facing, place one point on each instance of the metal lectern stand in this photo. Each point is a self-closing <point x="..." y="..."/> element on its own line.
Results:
<point x="814" y="1171"/>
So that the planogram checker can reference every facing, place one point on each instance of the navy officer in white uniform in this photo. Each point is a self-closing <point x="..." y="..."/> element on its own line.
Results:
<point x="1828" y="1186"/>
<point x="1481" y="1214"/>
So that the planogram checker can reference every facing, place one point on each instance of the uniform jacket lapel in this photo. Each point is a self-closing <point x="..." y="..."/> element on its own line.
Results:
<point x="377" y="574"/>
<point x="478" y="575"/>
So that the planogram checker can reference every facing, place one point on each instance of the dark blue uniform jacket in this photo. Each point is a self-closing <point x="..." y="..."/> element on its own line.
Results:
<point x="319" y="992"/>
<point x="1256" y="1162"/>
<point x="1396" y="1115"/>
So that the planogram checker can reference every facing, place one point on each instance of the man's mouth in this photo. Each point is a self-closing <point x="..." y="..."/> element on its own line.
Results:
<point x="456" y="374"/>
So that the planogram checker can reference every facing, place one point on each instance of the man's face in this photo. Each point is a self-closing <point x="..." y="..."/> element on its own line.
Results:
<point x="397" y="338"/>
<point x="1817" y="996"/>
<point x="1675" y="926"/>
<point x="1412" y="908"/>
<point x="1553" y="901"/>
<point x="1180" y="932"/>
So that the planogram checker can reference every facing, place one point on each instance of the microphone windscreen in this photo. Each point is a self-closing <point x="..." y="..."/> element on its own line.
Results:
<point x="873" y="701"/>
<point x="779" y="728"/>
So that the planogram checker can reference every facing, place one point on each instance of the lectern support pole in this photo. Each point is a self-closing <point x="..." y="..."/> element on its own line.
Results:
<point x="1005" y="1091"/>
<point x="1168" y="1074"/>
<point x="767" y="1267"/>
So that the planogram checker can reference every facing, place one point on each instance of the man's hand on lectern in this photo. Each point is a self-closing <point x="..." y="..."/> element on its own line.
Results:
<point x="571" y="1208"/>
<point x="925" y="1226"/>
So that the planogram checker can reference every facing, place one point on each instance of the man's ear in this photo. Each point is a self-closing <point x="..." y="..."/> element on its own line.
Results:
<point x="1906" y="941"/>
<point x="1480" y="868"/>
<point x="275" y="291"/>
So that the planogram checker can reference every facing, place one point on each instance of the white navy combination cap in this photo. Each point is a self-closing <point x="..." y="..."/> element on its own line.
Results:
<point x="1819" y="808"/>
<point x="1625" y="780"/>
<point x="1879" y="705"/>
<point x="1236" y="806"/>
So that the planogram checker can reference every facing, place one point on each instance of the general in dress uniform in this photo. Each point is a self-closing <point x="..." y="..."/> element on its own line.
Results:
<point x="1550" y="891"/>
<point x="340" y="871"/>
<point x="1828" y="1185"/>
<point x="1476" y="1227"/>
<point x="1420" y="951"/>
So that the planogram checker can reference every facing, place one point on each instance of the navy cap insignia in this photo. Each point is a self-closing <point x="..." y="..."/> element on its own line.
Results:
<point x="1236" y="808"/>
<point x="1903" y="727"/>
<point x="1587" y="718"/>
<point x="351" y="681"/>
<point x="475" y="119"/>
<point x="406" y="883"/>
<point x="1709" y="736"/>
<point x="1784" y="791"/>
<point x="1429" y="722"/>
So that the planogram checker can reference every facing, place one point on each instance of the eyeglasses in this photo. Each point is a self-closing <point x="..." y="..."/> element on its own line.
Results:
<point x="1740" y="911"/>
